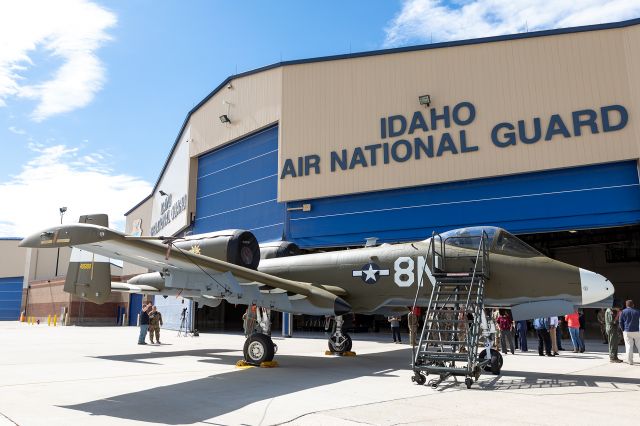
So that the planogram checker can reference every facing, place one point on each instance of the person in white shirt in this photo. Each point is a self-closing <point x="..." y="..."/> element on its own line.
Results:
<point x="553" y="323"/>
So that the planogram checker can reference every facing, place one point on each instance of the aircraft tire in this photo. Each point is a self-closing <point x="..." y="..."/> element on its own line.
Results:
<point x="349" y="343"/>
<point x="258" y="348"/>
<point x="343" y="346"/>
<point x="495" y="365"/>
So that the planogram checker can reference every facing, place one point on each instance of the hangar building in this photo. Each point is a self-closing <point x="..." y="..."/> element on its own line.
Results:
<point x="536" y="132"/>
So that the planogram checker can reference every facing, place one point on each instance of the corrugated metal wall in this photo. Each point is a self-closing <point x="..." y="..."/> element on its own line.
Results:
<point x="10" y="298"/>
<point x="237" y="188"/>
<point x="583" y="197"/>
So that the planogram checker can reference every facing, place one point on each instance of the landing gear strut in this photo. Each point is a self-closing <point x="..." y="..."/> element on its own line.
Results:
<point x="259" y="347"/>
<point x="339" y="342"/>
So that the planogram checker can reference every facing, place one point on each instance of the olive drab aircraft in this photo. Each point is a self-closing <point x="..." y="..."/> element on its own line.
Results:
<point x="380" y="279"/>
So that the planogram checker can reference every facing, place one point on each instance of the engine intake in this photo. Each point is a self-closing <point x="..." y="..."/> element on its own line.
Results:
<point x="234" y="246"/>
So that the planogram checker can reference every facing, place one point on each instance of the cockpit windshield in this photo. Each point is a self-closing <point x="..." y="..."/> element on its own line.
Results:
<point x="513" y="246"/>
<point x="498" y="241"/>
<point x="469" y="237"/>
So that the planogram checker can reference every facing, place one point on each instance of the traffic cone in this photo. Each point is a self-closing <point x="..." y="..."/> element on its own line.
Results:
<point x="22" y="316"/>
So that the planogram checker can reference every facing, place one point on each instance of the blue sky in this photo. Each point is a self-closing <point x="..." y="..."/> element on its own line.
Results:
<point x="93" y="93"/>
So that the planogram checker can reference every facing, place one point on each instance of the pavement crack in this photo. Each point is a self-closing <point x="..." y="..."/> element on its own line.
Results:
<point x="8" y="418"/>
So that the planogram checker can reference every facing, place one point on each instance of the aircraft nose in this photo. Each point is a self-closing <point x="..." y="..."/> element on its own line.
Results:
<point x="594" y="287"/>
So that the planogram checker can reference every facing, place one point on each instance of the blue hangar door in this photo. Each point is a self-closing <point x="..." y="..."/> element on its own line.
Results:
<point x="596" y="196"/>
<point x="238" y="188"/>
<point x="10" y="298"/>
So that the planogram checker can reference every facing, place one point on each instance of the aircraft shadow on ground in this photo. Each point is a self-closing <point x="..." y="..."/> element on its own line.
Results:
<point x="514" y="380"/>
<point x="198" y="400"/>
<point x="218" y="356"/>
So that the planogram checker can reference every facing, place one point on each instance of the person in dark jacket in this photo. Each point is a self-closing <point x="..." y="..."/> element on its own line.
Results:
<point x="544" y="339"/>
<point x="521" y="327"/>
<point x="630" y="325"/>
<point x="144" y="323"/>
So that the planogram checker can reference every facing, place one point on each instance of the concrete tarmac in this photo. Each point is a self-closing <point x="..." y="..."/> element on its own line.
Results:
<point x="100" y="376"/>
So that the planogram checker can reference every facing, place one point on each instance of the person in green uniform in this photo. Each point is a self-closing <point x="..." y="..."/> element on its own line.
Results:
<point x="155" y="321"/>
<point x="611" y="321"/>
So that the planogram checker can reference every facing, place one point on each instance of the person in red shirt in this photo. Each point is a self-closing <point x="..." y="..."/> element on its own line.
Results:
<point x="573" y="322"/>
<point x="505" y="323"/>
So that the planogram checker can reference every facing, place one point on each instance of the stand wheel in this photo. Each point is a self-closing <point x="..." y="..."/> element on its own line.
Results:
<point x="468" y="381"/>
<point x="341" y="343"/>
<point x="418" y="379"/>
<point x="258" y="348"/>
<point x="496" y="361"/>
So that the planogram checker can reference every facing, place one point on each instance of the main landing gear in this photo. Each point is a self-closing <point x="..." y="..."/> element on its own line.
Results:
<point x="258" y="348"/>
<point x="339" y="342"/>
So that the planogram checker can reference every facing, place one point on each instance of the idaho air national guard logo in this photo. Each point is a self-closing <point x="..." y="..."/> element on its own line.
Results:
<point x="370" y="273"/>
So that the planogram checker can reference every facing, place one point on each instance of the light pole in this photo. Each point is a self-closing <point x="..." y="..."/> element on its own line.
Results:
<point x="63" y="210"/>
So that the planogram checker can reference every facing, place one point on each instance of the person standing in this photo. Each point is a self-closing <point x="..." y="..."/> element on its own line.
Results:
<point x="583" y="325"/>
<point x="541" y="326"/>
<point x="603" y="326"/>
<point x="611" y="323"/>
<point x="505" y="324"/>
<point x="395" y="329"/>
<point x="630" y="325"/>
<point x="495" y="315"/>
<point x="412" y="320"/>
<point x="144" y="323"/>
<point x="573" y="323"/>
<point x="559" y="333"/>
<point x="521" y="326"/>
<point x="553" y="325"/>
<point x="155" y="321"/>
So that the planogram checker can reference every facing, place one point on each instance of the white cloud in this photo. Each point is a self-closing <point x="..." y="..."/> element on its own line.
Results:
<point x="69" y="31"/>
<point x="61" y="176"/>
<point x="437" y="20"/>
<point x="17" y="131"/>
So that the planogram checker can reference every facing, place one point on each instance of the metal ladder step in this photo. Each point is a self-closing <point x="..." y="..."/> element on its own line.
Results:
<point x="444" y="356"/>
<point x="453" y="370"/>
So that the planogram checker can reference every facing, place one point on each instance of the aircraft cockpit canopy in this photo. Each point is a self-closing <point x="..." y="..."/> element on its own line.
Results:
<point x="498" y="240"/>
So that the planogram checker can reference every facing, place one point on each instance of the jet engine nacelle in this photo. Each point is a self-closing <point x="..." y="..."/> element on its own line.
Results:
<point x="234" y="246"/>
<point x="278" y="249"/>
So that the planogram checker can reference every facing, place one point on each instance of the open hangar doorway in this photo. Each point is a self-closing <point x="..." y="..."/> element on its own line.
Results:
<point x="613" y="252"/>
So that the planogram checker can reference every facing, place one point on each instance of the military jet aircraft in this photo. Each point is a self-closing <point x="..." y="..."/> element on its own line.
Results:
<point x="372" y="280"/>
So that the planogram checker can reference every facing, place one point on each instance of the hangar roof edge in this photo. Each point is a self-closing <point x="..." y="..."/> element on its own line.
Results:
<point x="481" y="40"/>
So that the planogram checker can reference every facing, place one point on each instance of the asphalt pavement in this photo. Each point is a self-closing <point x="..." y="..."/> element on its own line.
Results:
<point x="101" y="376"/>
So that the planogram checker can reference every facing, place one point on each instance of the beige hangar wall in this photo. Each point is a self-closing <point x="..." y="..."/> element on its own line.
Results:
<point x="334" y="105"/>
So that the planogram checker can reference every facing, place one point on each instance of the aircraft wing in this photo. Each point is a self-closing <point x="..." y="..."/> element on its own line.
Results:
<point x="181" y="269"/>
